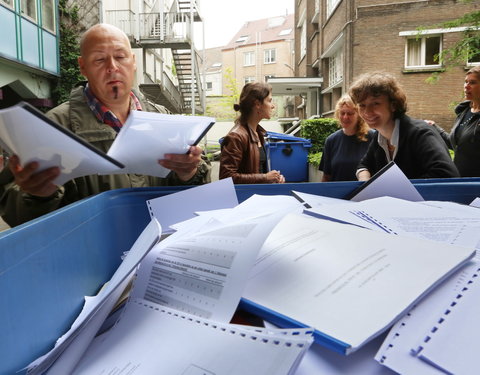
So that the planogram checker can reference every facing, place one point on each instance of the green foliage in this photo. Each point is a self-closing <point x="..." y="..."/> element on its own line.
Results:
<point x="232" y="85"/>
<point x="222" y="109"/>
<point x="317" y="130"/>
<point x="464" y="50"/>
<point x="314" y="158"/>
<point x="69" y="52"/>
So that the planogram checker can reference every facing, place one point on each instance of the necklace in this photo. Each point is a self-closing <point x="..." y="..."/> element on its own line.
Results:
<point x="466" y="119"/>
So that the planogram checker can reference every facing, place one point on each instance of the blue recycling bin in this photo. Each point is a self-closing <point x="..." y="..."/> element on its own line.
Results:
<point x="289" y="155"/>
<point x="48" y="265"/>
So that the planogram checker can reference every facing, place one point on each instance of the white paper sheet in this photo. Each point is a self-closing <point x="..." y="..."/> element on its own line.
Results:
<point x="322" y="361"/>
<point x="182" y="205"/>
<point x="451" y="341"/>
<point x="151" y="339"/>
<point x="312" y="200"/>
<point x="329" y="275"/>
<point x="412" y="219"/>
<point x="32" y="138"/>
<point x="390" y="182"/>
<point x="204" y="273"/>
<point x="475" y="203"/>
<point x="89" y="321"/>
<point x="396" y="351"/>
<point x="146" y="137"/>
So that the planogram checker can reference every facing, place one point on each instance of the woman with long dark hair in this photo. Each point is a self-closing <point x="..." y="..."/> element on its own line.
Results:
<point x="243" y="155"/>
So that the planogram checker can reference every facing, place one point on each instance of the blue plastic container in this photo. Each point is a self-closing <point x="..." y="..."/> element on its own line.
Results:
<point x="289" y="155"/>
<point x="49" y="264"/>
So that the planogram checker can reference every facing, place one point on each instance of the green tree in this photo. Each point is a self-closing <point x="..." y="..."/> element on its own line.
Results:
<point x="69" y="52"/>
<point x="466" y="49"/>
<point x="232" y="85"/>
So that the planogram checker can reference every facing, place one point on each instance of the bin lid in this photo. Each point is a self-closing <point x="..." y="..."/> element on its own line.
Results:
<point x="284" y="137"/>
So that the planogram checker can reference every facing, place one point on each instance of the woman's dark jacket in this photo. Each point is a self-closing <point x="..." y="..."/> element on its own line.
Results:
<point x="465" y="142"/>
<point x="421" y="152"/>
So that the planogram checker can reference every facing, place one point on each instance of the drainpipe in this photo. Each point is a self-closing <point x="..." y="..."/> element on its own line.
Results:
<point x="192" y="53"/>
<point x="100" y="11"/>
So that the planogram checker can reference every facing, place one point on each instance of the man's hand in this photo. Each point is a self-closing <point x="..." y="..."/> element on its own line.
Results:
<point x="184" y="165"/>
<point x="35" y="183"/>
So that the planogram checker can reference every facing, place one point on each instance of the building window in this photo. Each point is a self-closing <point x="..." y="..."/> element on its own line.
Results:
<point x="269" y="56"/>
<point x="249" y="58"/>
<point x="242" y="39"/>
<point x="303" y="40"/>
<point x="331" y="5"/>
<point x="249" y="79"/>
<point x="335" y="68"/>
<point x="423" y="51"/>
<point x="48" y="15"/>
<point x="209" y="86"/>
<point x="474" y="54"/>
<point x="8" y="3"/>
<point x="29" y="9"/>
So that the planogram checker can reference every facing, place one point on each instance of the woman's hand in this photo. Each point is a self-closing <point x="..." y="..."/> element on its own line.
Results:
<point x="274" y="177"/>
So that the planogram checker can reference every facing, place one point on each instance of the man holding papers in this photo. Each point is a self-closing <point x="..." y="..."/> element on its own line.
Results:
<point x="96" y="112"/>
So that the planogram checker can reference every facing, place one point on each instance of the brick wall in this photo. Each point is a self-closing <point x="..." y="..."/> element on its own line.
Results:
<point x="378" y="46"/>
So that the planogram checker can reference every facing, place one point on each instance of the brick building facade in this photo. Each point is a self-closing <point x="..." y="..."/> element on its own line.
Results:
<point x="339" y="40"/>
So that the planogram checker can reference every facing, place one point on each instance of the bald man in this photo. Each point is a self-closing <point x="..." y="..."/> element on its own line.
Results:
<point x="96" y="111"/>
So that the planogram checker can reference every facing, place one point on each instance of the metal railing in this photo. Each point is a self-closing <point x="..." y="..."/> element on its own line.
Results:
<point x="161" y="26"/>
<point x="125" y="20"/>
<point x="175" y="95"/>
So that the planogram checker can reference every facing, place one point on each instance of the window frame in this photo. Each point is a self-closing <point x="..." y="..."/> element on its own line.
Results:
<point x="248" y="79"/>
<point x="474" y="63"/>
<point x="10" y="6"/>
<point x="267" y="56"/>
<point x="252" y="58"/>
<point x="303" y="40"/>
<point x="331" y="6"/>
<point x="335" y="68"/>
<point x="53" y="14"/>
<point x="26" y="15"/>
<point x="423" y="51"/>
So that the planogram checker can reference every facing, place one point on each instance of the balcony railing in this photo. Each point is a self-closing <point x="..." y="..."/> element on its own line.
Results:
<point x="165" y="26"/>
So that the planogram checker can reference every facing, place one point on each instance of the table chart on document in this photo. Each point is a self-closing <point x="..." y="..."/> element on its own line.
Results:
<point x="189" y="279"/>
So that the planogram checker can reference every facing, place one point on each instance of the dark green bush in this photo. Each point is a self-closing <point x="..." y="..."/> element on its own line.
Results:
<point x="317" y="130"/>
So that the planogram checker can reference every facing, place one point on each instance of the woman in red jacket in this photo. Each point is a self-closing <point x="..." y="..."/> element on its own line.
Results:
<point x="243" y="155"/>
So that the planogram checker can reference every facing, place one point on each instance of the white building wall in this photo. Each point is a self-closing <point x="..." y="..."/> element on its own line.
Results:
<point x="215" y="78"/>
<point x="25" y="83"/>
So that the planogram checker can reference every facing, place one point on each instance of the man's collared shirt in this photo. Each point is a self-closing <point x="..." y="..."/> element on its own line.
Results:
<point x="104" y="114"/>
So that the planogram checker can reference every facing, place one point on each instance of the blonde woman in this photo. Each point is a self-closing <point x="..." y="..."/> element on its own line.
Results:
<point x="344" y="148"/>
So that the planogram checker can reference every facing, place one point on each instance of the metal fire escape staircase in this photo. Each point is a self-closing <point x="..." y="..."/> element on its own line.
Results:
<point x="168" y="29"/>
